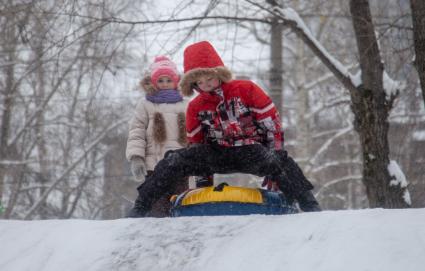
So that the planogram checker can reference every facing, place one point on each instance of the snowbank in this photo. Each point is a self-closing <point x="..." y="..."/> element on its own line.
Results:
<point x="334" y="240"/>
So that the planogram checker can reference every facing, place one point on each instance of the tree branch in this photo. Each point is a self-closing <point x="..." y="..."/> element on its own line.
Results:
<point x="292" y="20"/>
<point x="71" y="167"/>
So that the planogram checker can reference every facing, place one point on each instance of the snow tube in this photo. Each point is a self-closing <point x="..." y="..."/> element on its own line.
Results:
<point x="230" y="200"/>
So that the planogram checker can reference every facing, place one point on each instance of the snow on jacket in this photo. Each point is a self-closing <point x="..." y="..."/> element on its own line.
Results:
<point x="155" y="129"/>
<point x="240" y="113"/>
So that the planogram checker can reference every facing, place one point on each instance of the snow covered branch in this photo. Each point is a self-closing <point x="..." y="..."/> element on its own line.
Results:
<point x="15" y="162"/>
<point x="290" y="18"/>
<point x="333" y="164"/>
<point x="328" y="142"/>
<point x="399" y="179"/>
<point x="331" y="104"/>
<point x="348" y="178"/>
<point x="117" y="20"/>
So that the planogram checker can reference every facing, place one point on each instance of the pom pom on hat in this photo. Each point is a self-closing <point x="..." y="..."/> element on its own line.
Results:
<point x="163" y="66"/>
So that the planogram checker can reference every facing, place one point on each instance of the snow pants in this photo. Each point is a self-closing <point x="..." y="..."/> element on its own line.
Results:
<point x="205" y="160"/>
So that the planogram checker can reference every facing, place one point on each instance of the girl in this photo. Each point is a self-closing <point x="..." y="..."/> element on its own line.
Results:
<point x="157" y="126"/>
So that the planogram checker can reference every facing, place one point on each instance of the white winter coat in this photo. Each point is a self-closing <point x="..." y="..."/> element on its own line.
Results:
<point x="155" y="129"/>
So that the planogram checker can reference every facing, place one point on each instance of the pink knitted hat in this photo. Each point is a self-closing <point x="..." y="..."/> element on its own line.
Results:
<point x="161" y="66"/>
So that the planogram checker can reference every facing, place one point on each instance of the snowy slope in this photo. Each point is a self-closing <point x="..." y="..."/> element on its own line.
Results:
<point x="334" y="240"/>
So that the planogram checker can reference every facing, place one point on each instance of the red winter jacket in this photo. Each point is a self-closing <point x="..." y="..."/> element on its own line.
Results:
<point x="240" y="113"/>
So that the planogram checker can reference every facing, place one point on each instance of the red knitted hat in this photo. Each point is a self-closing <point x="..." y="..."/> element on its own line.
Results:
<point x="200" y="59"/>
<point x="161" y="66"/>
<point x="201" y="55"/>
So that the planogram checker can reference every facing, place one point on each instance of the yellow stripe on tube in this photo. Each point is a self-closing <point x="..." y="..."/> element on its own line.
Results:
<point x="228" y="194"/>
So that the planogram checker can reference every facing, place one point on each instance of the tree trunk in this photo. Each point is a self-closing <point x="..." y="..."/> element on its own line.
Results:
<point x="5" y="123"/>
<point x="418" y="20"/>
<point x="302" y="106"/>
<point x="371" y="107"/>
<point x="40" y="93"/>
<point x="10" y="42"/>
<point x="276" y="69"/>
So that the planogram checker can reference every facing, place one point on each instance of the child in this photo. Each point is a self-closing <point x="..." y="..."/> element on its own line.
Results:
<point x="157" y="127"/>
<point x="232" y="126"/>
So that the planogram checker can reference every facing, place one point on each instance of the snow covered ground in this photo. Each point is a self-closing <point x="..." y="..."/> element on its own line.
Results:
<point x="372" y="239"/>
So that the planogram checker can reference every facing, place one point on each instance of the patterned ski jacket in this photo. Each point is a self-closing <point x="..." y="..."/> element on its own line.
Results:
<point x="240" y="113"/>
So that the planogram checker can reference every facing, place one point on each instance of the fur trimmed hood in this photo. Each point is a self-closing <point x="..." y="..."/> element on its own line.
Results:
<point x="202" y="59"/>
<point x="146" y="85"/>
<point x="189" y="78"/>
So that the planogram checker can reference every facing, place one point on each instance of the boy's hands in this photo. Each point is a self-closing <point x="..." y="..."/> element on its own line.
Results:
<point x="271" y="183"/>
<point x="138" y="168"/>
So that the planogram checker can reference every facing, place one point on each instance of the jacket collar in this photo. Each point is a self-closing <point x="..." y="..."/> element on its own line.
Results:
<point x="212" y="97"/>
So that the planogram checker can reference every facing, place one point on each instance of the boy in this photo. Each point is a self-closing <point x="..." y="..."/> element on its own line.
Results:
<point x="232" y="126"/>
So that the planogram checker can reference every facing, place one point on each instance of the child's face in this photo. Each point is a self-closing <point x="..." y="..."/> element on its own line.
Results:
<point x="165" y="82"/>
<point x="208" y="83"/>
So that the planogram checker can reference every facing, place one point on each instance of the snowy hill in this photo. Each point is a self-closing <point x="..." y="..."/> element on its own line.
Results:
<point x="335" y="240"/>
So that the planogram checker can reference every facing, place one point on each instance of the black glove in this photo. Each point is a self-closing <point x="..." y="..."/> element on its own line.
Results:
<point x="271" y="183"/>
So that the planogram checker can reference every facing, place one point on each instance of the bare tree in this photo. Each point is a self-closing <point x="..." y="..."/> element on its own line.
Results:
<point x="370" y="102"/>
<point x="371" y="106"/>
<point x="11" y="23"/>
<point x="54" y="116"/>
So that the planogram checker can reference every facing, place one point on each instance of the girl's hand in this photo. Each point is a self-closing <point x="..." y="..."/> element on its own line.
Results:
<point x="138" y="168"/>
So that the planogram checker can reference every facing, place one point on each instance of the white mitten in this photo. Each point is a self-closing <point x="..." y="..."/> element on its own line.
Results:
<point x="138" y="168"/>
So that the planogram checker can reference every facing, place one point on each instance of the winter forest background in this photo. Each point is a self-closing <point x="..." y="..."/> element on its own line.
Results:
<point x="347" y="89"/>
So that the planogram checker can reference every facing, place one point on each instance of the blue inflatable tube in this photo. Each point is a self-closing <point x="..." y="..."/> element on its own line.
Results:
<point x="230" y="200"/>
